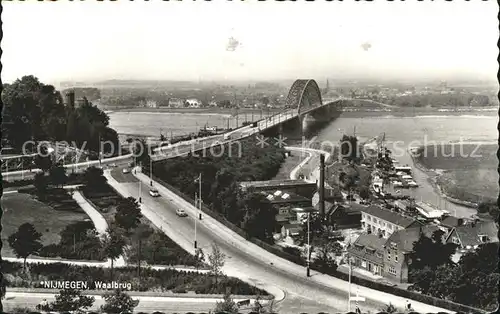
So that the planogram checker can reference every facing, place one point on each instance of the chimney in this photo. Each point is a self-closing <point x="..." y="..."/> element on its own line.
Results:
<point x="70" y="99"/>
<point x="322" y="185"/>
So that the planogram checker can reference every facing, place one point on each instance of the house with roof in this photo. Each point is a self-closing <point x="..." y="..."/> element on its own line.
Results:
<point x="285" y="204"/>
<point x="344" y="216"/>
<point x="377" y="220"/>
<point x="471" y="235"/>
<point x="291" y="233"/>
<point x="448" y="223"/>
<point x="396" y="250"/>
<point x="367" y="253"/>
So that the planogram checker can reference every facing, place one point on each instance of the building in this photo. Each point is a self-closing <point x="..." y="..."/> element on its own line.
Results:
<point x="299" y="187"/>
<point x="291" y="233"/>
<point x="471" y="235"/>
<point x="285" y="204"/>
<point x="449" y="223"/>
<point x="367" y="253"/>
<point x="344" y="216"/>
<point x="193" y="103"/>
<point x="176" y="103"/>
<point x="377" y="220"/>
<point x="396" y="250"/>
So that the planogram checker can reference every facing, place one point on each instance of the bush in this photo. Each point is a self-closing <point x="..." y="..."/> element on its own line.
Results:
<point x="293" y="251"/>
<point x="166" y="279"/>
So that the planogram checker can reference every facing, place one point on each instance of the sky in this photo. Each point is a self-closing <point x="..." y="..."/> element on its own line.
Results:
<point x="85" y="41"/>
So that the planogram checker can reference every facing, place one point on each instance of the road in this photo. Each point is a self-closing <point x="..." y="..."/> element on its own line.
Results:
<point x="246" y="260"/>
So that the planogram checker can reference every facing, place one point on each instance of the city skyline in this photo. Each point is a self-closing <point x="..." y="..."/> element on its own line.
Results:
<point x="190" y="40"/>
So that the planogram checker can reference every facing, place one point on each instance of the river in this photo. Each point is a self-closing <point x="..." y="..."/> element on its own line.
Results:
<point x="419" y="129"/>
<point x="410" y="130"/>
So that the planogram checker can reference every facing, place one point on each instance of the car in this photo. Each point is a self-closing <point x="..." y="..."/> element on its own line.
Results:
<point x="126" y="170"/>
<point x="181" y="212"/>
<point x="154" y="193"/>
<point x="112" y="165"/>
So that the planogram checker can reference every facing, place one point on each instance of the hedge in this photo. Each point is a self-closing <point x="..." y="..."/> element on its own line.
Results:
<point x="446" y="304"/>
<point x="151" y="279"/>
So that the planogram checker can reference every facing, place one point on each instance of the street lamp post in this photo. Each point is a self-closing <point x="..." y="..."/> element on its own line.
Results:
<point x="308" y="245"/>
<point x="349" y="300"/>
<point x="140" y="191"/>
<point x="195" y="220"/>
<point x="150" y="171"/>
<point x="200" y="199"/>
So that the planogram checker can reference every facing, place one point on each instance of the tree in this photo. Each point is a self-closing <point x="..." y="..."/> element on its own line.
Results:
<point x="216" y="261"/>
<point x="118" y="302"/>
<point x="227" y="305"/>
<point x="113" y="246"/>
<point x="25" y="242"/>
<point x="128" y="214"/>
<point x="261" y="309"/>
<point x="259" y="220"/>
<point x="57" y="175"/>
<point x="142" y="232"/>
<point x="71" y="300"/>
<point x="423" y="268"/>
<point x="389" y="308"/>
<point x="442" y="252"/>
<point x="349" y="149"/>
<point x="324" y="261"/>
<point x="40" y="183"/>
<point x="43" y="160"/>
<point x="200" y="257"/>
<point x="93" y="178"/>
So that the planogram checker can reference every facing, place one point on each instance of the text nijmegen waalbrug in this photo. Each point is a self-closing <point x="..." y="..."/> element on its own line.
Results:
<point x="85" y="285"/>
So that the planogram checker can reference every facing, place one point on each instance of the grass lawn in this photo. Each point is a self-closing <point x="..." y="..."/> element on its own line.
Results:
<point x="19" y="208"/>
<point x="471" y="173"/>
<point x="472" y="185"/>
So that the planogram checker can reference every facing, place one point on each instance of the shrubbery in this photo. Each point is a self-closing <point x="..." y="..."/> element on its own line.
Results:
<point x="157" y="280"/>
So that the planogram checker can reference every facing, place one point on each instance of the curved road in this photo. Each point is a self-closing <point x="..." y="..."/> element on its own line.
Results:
<point x="246" y="260"/>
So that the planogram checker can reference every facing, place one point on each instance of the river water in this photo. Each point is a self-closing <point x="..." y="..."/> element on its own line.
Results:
<point x="418" y="130"/>
<point x="410" y="130"/>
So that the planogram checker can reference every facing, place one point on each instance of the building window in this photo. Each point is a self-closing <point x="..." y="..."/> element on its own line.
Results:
<point x="375" y="220"/>
<point x="396" y="258"/>
<point x="363" y="264"/>
<point x="391" y="270"/>
<point x="369" y="218"/>
<point x="388" y="255"/>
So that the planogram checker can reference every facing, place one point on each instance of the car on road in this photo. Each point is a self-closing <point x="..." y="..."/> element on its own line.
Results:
<point x="180" y="212"/>
<point x="112" y="165"/>
<point x="126" y="170"/>
<point x="154" y="193"/>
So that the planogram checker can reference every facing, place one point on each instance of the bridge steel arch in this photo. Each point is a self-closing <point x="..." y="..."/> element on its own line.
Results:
<point x="304" y="93"/>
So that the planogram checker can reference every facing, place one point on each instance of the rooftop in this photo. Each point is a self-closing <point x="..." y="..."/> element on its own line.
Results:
<point x="366" y="246"/>
<point x="404" y="239"/>
<point x="279" y="196"/>
<point x="387" y="215"/>
<point x="469" y="234"/>
<point x="275" y="183"/>
<point x="451" y="222"/>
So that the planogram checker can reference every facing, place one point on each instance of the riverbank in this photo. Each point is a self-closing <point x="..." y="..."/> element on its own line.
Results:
<point x="348" y="111"/>
<point x="433" y="176"/>
<point x="212" y="110"/>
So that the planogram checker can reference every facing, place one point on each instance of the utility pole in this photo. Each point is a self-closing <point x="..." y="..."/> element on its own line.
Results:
<point x="196" y="200"/>
<point x="200" y="201"/>
<point x="308" y="245"/>
<point x="150" y="171"/>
